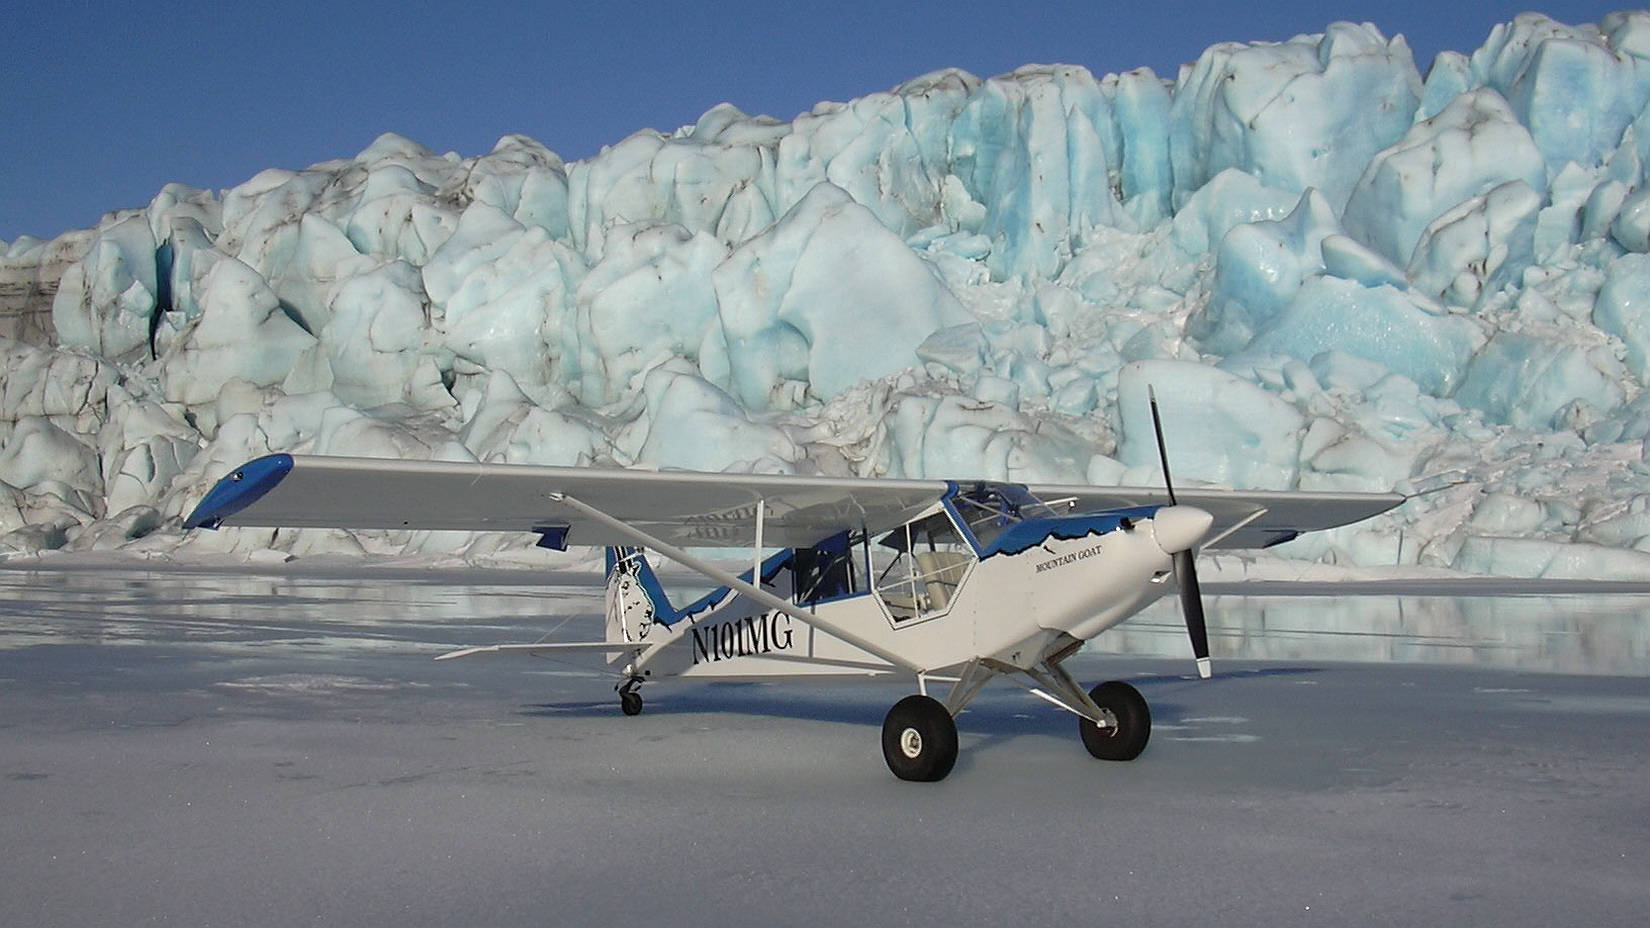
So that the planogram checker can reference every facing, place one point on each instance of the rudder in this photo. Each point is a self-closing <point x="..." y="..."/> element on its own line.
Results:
<point x="635" y="601"/>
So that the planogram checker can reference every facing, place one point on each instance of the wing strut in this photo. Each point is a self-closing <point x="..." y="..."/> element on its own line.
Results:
<point x="1237" y="526"/>
<point x="732" y="582"/>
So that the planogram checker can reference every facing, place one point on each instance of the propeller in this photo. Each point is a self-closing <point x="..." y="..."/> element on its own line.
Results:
<point x="1185" y="562"/>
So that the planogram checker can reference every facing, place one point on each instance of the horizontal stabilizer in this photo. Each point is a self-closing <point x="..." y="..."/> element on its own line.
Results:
<point x="565" y="647"/>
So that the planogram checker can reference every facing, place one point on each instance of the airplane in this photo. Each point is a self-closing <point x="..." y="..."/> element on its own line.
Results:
<point x="940" y="582"/>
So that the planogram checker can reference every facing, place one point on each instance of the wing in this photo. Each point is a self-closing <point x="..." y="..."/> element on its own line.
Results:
<point x="1243" y="518"/>
<point x="681" y="508"/>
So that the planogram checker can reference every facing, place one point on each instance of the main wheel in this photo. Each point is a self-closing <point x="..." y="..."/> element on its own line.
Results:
<point x="1128" y="722"/>
<point x="630" y="703"/>
<point x="919" y="739"/>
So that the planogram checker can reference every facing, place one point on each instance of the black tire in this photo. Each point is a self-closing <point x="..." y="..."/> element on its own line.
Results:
<point x="631" y="703"/>
<point x="919" y="739"/>
<point x="1127" y="708"/>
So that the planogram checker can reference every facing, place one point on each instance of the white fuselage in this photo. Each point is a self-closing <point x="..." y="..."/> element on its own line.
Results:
<point x="1014" y="609"/>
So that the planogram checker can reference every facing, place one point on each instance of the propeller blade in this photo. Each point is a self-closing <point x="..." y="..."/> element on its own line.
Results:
<point x="1162" y="449"/>
<point x="1191" y="606"/>
<point x="1185" y="562"/>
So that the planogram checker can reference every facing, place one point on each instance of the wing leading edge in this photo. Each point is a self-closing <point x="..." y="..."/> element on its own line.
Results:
<point x="679" y="507"/>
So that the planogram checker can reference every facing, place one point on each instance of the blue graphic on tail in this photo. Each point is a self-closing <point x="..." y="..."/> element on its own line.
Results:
<point x="634" y="588"/>
<point x="633" y="585"/>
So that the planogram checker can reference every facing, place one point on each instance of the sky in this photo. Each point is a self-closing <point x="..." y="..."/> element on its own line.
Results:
<point x="106" y="102"/>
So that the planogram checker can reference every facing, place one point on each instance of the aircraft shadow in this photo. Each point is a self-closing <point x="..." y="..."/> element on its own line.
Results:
<point x="1000" y="712"/>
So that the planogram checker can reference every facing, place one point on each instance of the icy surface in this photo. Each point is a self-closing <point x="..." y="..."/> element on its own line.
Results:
<point x="1339" y="273"/>
<point x="234" y="748"/>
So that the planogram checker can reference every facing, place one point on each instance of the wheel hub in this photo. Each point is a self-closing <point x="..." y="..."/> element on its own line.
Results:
<point x="1107" y="723"/>
<point x="910" y="743"/>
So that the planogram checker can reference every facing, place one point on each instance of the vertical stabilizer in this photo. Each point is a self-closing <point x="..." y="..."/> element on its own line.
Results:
<point x="635" y="601"/>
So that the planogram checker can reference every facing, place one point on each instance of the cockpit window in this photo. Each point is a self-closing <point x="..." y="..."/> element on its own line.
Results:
<point x="919" y="566"/>
<point x="991" y="508"/>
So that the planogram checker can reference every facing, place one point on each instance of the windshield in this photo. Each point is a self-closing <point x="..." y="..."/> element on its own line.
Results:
<point x="990" y="508"/>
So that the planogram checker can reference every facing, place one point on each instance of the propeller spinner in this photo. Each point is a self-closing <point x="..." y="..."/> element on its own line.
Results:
<point x="1185" y="561"/>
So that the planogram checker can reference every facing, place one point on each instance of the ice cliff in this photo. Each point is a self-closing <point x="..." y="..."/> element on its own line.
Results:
<point x="1337" y="274"/>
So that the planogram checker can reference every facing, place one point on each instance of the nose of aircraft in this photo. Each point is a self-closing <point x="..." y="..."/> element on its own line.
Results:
<point x="1177" y="528"/>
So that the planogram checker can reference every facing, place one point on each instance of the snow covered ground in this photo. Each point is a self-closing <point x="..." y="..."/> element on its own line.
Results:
<point x="210" y="746"/>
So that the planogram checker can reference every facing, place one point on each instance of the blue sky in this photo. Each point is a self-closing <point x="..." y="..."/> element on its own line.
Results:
<point x="106" y="102"/>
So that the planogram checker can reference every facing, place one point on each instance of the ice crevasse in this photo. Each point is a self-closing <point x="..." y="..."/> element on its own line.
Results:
<point x="1336" y="272"/>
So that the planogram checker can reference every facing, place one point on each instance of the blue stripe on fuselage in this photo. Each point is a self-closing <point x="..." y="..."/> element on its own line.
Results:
<point x="661" y="603"/>
<point x="1032" y="532"/>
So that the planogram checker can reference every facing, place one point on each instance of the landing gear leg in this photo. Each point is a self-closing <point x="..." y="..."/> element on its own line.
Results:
<point x="1112" y="718"/>
<point x="630" y="701"/>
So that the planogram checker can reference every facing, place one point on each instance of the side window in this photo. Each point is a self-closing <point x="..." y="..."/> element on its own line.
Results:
<point x="829" y="570"/>
<point x="918" y="567"/>
<point x="891" y="572"/>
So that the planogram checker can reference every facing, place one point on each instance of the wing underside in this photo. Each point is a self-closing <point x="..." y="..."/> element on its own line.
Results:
<point x="681" y="508"/>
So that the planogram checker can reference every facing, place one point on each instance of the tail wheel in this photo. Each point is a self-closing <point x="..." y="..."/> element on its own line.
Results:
<point x="919" y="739"/>
<point x="630" y="703"/>
<point x="1128" y="722"/>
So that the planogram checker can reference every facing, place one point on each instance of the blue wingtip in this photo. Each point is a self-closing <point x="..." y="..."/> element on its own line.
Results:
<point x="243" y="486"/>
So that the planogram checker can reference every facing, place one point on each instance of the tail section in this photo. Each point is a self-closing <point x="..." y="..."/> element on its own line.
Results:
<point x="635" y="600"/>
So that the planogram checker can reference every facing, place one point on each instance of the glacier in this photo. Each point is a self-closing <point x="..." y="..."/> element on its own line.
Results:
<point x="1335" y="271"/>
